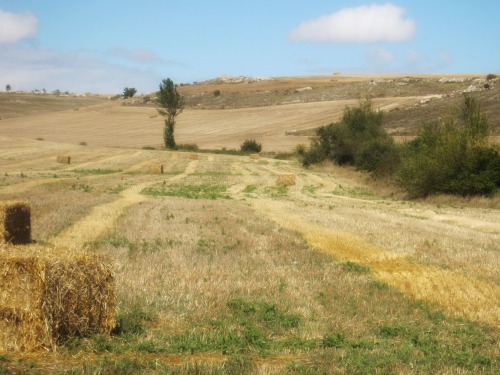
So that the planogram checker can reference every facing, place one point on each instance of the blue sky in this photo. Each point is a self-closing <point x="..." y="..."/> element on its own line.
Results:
<point x="102" y="46"/>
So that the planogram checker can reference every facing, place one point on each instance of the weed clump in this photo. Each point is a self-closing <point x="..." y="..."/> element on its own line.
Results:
<point x="251" y="145"/>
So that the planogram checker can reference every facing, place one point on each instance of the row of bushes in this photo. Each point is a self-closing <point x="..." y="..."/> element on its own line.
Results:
<point x="452" y="157"/>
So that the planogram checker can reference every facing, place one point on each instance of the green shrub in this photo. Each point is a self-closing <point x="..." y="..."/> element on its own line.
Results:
<point x="129" y="92"/>
<point x="357" y="139"/>
<point x="453" y="157"/>
<point x="314" y="154"/>
<point x="300" y="149"/>
<point x="187" y="147"/>
<point x="251" y="145"/>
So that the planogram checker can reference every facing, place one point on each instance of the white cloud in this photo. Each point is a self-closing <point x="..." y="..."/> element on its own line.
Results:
<point x="364" y="24"/>
<point x="14" y="27"/>
<point x="379" y="59"/>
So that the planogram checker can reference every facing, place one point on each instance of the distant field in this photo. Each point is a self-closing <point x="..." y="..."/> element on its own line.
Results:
<point x="114" y="125"/>
<point x="273" y="112"/>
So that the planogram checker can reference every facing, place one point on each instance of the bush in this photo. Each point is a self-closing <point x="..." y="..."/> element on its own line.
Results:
<point x="129" y="92"/>
<point x="357" y="139"/>
<point x="187" y="147"/>
<point x="453" y="157"/>
<point x="251" y="145"/>
<point x="300" y="149"/>
<point x="314" y="154"/>
<point x="491" y="76"/>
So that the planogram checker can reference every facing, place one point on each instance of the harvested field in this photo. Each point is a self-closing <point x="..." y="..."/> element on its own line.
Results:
<point x="220" y="269"/>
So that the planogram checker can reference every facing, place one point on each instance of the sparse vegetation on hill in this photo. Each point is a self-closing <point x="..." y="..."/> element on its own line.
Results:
<point x="452" y="157"/>
<point x="251" y="145"/>
<point x="358" y="139"/>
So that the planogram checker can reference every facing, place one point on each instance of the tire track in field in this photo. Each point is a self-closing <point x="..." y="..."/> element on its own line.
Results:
<point x="102" y="218"/>
<point x="458" y="294"/>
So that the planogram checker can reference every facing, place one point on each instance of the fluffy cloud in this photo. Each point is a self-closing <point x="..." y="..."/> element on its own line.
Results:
<point x="14" y="27"/>
<point x="364" y="24"/>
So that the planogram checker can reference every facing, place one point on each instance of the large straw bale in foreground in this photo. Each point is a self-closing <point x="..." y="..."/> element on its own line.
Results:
<point x="47" y="294"/>
<point x="15" y="222"/>
<point x="64" y="159"/>
<point x="285" y="180"/>
<point x="155" y="168"/>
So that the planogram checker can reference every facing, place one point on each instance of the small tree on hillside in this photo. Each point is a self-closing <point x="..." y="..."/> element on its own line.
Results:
<point x="129" y="92"/>
<point x="172" y="104"/>
<point x="8" y="88"/>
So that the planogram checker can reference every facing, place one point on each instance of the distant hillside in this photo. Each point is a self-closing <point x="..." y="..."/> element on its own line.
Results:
<point x="14" y="104"/>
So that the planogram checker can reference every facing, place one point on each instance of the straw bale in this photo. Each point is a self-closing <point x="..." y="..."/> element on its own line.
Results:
<point x="155" y="168"/>
<point x="285" y="180"/>
<point x="64" y="159"/>
<point x="15" y="222"/>
<point x="193" y="156"/>
<point x="47" y="294"/>
<point x="255" y="156"/>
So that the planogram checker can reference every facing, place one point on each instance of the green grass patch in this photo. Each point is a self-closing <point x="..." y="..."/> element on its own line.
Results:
<point x="211" y="174"/>
<point x="116" y="189"/>
<point x="134" y="248"/>
<point x="86" y="188"/>
<point x="96" y="171"/>
<point x="249" y="189"/>
<point x="276" y="191"/>
<point x="203" y="191"/>
<point x="353" y="192"/>
<point x="311" y="190"/>
<point x="354" y="267"/>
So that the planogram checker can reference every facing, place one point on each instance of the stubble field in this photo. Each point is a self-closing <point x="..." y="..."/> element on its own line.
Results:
<point x="219" y="270"/>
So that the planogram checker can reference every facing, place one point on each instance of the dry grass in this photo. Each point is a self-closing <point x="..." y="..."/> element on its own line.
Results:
<point x="64" y="159"/>
<point x="15" y="222"/>
<point x="285" y="180"/>
<point x="254" y="156"/>
<point x="352" y="261"/>
<point x="48" y="294"/>
<point x="155" y="169"/>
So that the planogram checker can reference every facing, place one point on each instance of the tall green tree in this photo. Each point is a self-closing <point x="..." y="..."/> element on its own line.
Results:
<point x="172" y="104"/>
